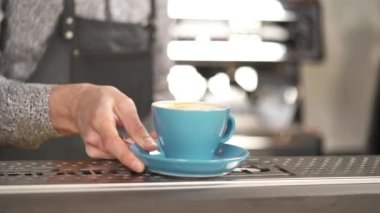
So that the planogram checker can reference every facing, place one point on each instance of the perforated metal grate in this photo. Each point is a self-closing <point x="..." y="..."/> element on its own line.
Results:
<point x="34" y="172"/>
<point x="348" y="166"/>
<point x="104" y="171"/>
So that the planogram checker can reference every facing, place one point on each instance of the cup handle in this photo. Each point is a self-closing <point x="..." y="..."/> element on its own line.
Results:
<point x="230" y="129"/>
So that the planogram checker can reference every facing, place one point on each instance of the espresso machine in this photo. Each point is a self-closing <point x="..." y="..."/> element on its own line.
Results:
<point x="247" y="54"/>
<point x="300" y="180"/>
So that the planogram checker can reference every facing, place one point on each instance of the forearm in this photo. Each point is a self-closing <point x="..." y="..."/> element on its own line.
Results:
<point x="24" y="114"/>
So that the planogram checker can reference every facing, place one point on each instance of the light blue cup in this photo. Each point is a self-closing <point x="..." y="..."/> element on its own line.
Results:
<point x="192" y="130"/>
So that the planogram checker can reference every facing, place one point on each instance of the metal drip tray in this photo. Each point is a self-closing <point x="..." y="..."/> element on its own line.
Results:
<point x="266" y="184"/>
<point x="253" y="171"/>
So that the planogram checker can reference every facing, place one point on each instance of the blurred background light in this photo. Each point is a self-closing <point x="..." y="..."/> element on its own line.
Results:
<point x="290" y="95"/>
<point x="226" y="51"/>
<point x="219" y="86"/>
<point x="185" y="83"/>
<point x="247" y="78"/>
<point x="268" y="10"/>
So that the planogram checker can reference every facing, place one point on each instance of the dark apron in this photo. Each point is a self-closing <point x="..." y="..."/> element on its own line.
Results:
<point x="103" y="53"/>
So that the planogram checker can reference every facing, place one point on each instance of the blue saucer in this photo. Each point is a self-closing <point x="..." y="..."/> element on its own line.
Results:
<point x="226" y="158"/>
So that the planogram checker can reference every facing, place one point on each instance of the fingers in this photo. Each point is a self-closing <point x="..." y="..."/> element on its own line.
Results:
<point x="127" y="113"/>
<point x="94" y="146"/>
<point x="116" y="146"/>
<point x="154" y="135"/>
<point x="128" y="140"/>
<point x="95" y="152"/>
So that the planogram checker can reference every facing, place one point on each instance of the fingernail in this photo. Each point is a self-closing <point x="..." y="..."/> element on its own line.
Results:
<point x="137" y="166"/>
<point x="150" y="141"/>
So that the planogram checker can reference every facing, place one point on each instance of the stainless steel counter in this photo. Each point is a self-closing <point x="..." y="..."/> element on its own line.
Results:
<point x="265" y="184"/>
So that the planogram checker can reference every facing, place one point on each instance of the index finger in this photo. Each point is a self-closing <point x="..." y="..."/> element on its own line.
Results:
<point x="127" y="112"/>
<point x="116" y="146"/>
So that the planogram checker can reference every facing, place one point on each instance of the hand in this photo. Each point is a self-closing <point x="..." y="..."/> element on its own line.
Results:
<point x="95" y="112"/>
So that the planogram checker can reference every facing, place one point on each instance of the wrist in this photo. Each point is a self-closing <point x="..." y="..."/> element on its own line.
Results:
<point x="63" y="103"/>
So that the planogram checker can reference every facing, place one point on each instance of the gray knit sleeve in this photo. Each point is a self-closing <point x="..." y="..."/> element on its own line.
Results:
<point x="24" y="114"/>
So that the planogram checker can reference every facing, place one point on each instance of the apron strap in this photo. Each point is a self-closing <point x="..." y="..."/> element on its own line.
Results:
<point x="68" y="20"/>
<point x="152" y="13"/>
<point x="107" y="11"/>
<point x="3" y="25"/>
